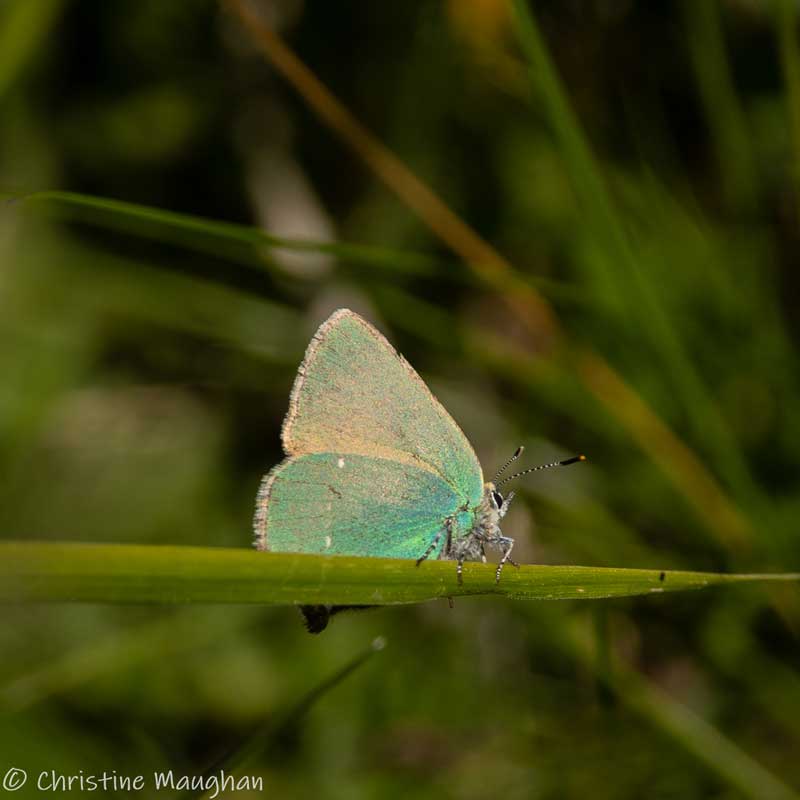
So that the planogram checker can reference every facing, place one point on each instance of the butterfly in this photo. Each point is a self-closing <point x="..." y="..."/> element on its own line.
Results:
<point x="375" y="466"/>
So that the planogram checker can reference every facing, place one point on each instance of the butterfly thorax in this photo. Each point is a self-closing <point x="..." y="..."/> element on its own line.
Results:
<point x="485" y="530"/>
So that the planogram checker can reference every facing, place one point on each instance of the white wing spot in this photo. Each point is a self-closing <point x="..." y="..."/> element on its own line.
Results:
<point x="328" y="542"/>
<point x="340" y="463"/>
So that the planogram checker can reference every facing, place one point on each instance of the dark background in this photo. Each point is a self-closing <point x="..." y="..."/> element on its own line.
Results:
<point x="144" y="374"/>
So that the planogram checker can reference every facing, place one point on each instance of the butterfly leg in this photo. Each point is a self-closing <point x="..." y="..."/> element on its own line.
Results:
<point x="507" y="545"/>
<point x="432" y="546"/>
<point x="447" y="552"/>
<point x="448" y="546"/>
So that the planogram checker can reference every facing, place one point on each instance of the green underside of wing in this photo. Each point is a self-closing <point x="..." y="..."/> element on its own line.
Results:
<point x="334" y="504"/>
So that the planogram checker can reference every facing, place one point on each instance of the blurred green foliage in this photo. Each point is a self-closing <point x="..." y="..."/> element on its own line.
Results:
<point x="637" y="163"/>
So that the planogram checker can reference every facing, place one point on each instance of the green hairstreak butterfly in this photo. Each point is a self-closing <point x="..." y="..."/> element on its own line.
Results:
<point x="374" y="464"/>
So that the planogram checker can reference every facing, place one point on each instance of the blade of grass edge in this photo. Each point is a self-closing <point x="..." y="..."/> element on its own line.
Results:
<point x="154" y="574"/>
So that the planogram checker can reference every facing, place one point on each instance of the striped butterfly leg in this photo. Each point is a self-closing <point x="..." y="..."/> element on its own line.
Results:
<point x="448" y="528"/>
<point x="504" y="542"/>
<point x="507" y="545"/>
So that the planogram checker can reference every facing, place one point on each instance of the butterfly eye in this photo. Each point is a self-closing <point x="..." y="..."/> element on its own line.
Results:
<point x="498" y="499"/>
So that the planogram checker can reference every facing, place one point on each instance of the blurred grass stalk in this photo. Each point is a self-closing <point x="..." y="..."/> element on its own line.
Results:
<point x="786" y="17"/>
<point x="704" y="741"/>
<point x="723" y="112"/>
<point x="643" y="697"/>
<point x="483" y="259"/>
<point x="267" y="738"/>
<point x="629" y="285"/>
<point x="241" y="243"/>
<point x="23" y="28"/>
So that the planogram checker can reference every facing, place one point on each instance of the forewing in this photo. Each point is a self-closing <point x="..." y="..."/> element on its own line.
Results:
<point x="347" y="504"/>
<point x="354" y="394"/>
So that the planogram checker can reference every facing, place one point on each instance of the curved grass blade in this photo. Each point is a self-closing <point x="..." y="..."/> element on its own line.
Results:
<point x="242" y="243"/>
<point x="24" y="28"/>
<point x="699" y="737"/>
<point x="102" y="573"/>
<point x="267" y="737"/>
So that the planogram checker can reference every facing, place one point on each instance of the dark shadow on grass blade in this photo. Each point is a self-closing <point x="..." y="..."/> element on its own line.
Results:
<point x="266" y="739"/>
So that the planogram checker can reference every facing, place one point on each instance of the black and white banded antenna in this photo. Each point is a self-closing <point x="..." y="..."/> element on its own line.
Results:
<point x="565" y="463"/>
<point x="517" y="454"/>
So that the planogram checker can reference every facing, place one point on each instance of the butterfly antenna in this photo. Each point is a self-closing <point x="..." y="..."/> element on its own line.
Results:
<point x="517" y="454"/>
<point x="565" y="463"/>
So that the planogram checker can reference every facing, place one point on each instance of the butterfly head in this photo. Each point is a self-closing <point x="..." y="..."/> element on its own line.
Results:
<point x="494" y="501"/>
<point x="494" y="504"/>
<point x="495" y="498"/>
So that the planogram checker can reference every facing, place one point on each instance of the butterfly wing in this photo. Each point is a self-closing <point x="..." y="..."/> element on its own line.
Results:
<point x="408" y="466"/>
<point x="355" y="394"/>
<point x="346" y="504"/>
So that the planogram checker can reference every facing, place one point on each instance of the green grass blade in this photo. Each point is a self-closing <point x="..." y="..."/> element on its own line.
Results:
<point x="101" y="573"/>
<point x="243" y="243"/>
<point x="723" y="112"/>
<point x="701" y="739"/>
<point x="267" y="738"/>
<point x="24" y="28"/>
<point x="623" y="276"/>
<point x="786" y="14"/>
